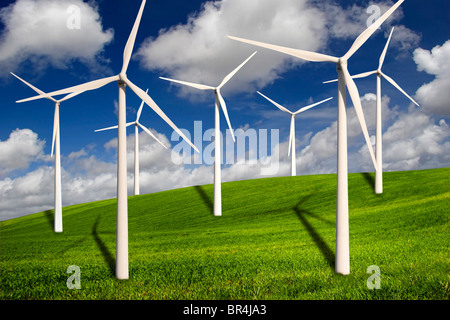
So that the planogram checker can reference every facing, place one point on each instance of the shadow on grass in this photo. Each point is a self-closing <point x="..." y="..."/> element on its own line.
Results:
<point x="50" y="218"/>
<point x="369" y="178"/>
<point x="206" y="200"/>
<point x="109" y="259"/>
<point x="326" y="251"/>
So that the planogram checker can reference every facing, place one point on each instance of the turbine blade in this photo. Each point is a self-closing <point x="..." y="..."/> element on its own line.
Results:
<point x="225" y="112"/>
<point x="149" y="101"/>
<point x="356" y="76"/>
<point x="329" y="81"/>
<point x="140" y="109"/>
<point x="311" y="105"/>
<point x="231" y="74"/>
<point x="354" y="94"/>
<point x="109" y="128"/>
<point x="114" y="127"/>
<point x="71" y="95"/>
<point x="191" y="84"/>
<point x="131" y="40"/>
<point x="76" y="89"/>
<point x="398" y="87"/>
<point x="302" y="54"/>
<point x="276" y="104"/>
<point x="364" y="74"/>
<point x="33" y="87"/>
<point x="151" y="134"/>
<point x="362" y="38"/>
<point x="383" y="54"/>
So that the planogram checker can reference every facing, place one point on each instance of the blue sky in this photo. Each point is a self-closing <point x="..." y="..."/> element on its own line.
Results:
<point x="186" y="40"/>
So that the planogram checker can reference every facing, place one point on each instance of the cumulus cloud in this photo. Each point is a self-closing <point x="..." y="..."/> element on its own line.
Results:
<point x="17" y="152"/>
<point x="415" y="141"/>
<point x="39" y="33"/>
<point x="435" y="96"/>
<point x="319" y="156"/>
<point x="404" y="39"/>
<point x="192" y="51"/>
<point x="27" y="194"/>
<point x="348" y="23"/>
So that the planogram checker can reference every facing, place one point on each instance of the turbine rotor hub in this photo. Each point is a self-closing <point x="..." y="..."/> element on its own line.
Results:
<point x="122" y="77"/>
<point x="341" y="63"/>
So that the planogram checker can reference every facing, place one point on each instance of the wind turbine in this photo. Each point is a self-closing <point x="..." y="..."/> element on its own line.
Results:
<point x="379" y="132"/>
<point x="291" y="149"/>
<point x="136" y="124"/>
<point x="342" y="265"/>
<point x="58" y="225"/>
<point x="217" y="148"/>
<point x="122" y="271"/>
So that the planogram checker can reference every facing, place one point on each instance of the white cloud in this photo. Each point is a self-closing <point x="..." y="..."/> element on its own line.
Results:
<point x="415" y="141"/>
<point x="404" y="39"/>
<point x="198" y="51"/>
<point x="27" y="194"/>
<point x="77" y="154"/>
<point x="435" y="96"/>
<point x="319" y="156"/>
<point x="192" y="51"/>
<point x="37" y="32"/>
<point x="19" y="150"/>
<point x="350" y="22"/>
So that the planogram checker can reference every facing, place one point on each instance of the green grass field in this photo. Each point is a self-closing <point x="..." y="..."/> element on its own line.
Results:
<point x="275" y="240"/>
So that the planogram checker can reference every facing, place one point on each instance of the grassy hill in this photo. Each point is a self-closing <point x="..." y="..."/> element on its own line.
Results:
<point x="275" y="240"/>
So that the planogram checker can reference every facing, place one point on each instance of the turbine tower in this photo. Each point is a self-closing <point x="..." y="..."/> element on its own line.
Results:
<point x="291" y="149"/>
<point x="379" y="132"/>
<point x="217" y="147"/>
<point x="137" y="125"/>
<point x="122" y="271"/>
<point x="58" y="223"/>
<point x="342" y="265"/>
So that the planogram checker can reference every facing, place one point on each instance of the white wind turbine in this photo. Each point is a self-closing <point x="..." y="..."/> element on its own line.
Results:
<point x="217" y="147"/>
<point x="122" y="271"/>
<point x="342" y="264"/>
<point x="291" y="149"/>
<point x="136" y="124"/>
<point x="58" y="224"/>
<point x="379" y="132"/>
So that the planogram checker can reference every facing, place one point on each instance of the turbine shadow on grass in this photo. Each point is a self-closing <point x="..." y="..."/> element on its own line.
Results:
<point x="369" y="178"/>
<point x="206" y="200"/>
<point x="109" y="259"/>
<point x="50" y="218"/>
<point x="326" y="251"/>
